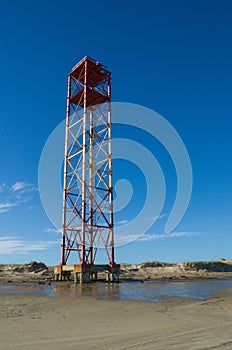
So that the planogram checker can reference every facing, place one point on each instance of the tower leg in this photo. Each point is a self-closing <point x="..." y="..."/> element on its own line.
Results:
<point x="117" y="277"/>
<point x="82" y="278"/>
<point x="112" y="277"/>
<point x="75" y="277"/>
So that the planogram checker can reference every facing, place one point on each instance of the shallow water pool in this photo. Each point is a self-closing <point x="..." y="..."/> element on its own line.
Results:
<point x="133" y="290"/>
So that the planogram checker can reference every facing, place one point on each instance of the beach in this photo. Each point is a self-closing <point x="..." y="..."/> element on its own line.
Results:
<point x="37" y="322"/>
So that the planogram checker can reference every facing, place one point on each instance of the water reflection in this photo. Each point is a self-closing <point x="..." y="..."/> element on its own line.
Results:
<point x="133" y="290"/>
<point x="148" y="291"/>
<point x="98" y="290"/>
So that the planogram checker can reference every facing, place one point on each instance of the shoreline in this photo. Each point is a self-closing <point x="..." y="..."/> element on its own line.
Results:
<point x="148" y="291"/>
<point x="11" y="279"/>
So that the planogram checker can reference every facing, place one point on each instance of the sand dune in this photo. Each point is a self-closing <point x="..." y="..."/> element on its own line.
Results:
<point x="35" y="271"/>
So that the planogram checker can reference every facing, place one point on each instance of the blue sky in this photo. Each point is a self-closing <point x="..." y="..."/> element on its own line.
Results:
<point x="173" y="57"/>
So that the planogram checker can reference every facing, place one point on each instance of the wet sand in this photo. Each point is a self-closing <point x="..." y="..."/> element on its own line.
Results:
<point x="35" y="322"/>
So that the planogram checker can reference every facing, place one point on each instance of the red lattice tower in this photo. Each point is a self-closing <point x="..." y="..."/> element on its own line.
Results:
<point x="87" y="202"/>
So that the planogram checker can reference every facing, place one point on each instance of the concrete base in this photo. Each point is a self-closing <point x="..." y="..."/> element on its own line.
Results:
<point x="84" y="273"/>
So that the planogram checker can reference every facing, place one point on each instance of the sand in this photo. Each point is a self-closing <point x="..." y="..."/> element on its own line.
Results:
<point x="35" y="322"/>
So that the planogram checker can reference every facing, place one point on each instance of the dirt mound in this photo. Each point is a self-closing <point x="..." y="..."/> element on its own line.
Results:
<point x="155" y="264"/>
<point x="35" y="266"/>
<point x="211" y="266"/>
<point x="19" y="269"/>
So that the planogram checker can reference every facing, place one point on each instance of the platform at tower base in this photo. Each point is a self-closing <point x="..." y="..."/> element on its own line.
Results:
<point x="86" y="273"/>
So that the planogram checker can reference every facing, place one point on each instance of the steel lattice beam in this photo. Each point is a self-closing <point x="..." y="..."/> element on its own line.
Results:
<point x="87" y="196"/>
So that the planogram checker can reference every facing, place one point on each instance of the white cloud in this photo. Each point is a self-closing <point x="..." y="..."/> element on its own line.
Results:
<point x="7" y="237"/>
<point x="14" y="195"/>
<point x="52" y="230"/>
<point x="14" y="245"/>
<point x="6" y="206"/>
<point x="151" y="237"/>
<point x="154" y="218"/>
<point x="18" y="186"/>
<point x="22" y="187"/>
<point x="122" y="222"/>
<point x="124" y="239"/>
